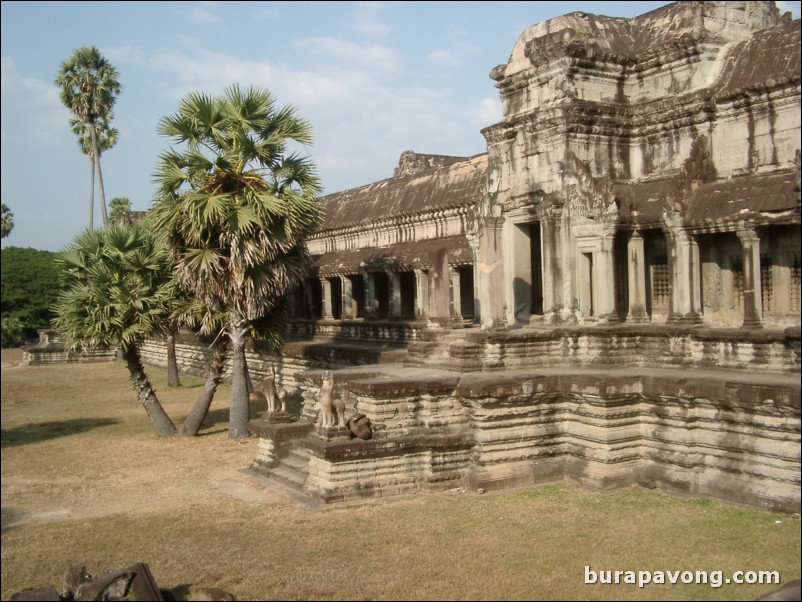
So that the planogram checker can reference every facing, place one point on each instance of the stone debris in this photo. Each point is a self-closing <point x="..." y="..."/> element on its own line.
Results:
<point x="131" y="584"/>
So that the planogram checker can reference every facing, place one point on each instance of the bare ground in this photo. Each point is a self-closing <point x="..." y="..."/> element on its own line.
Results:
<point x="86" y="481"/>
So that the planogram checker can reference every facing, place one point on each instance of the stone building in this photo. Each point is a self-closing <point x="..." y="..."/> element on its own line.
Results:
<point x="645" y="170"/>
<point x="609" y="295"/>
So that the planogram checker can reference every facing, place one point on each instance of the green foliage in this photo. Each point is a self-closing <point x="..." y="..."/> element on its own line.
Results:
<point x="89" y="86"/>
<point x="30" y="285"/>
<point x="119" y="290"/>
<point x="233" y="205"/>
<point x="13" y="334"/>
<point x="7" y="223"/>
<point x="117" y="206"/>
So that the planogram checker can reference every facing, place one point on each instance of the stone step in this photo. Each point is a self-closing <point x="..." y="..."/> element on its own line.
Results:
<point x="297" y="459"/>
<point x="288" y="476"/>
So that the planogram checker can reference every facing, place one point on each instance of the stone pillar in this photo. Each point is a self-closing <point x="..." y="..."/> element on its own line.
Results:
<point x="370" y="294"/>
<point x="394" y="279"/>
<point x="491" y="273"/>
<point x="683" y="266"/>
<point x="696" y="279"/>
<point x="421" y="294"/>
<point x="456" y="294"/>
<point x="473" y="241"/>
<point x="753" y="294"/>
<point x="438" y="288"/>
<point x="553" y="297"/>
<point x="604" y="280"/>
<point x="328" y="314"/>
<point x="347" y="287"/>
<point x="636" y="271"/>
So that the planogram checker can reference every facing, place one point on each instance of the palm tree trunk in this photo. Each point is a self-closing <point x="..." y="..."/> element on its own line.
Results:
<point x="214" y="375"/>
<point x="147" y="396"/>
<point x="172" y="363"/>
<point x="91" y="193"/>
<point x="248" y="381"/>
<point x="239" y="411"/>
<point x="105" y="215"/>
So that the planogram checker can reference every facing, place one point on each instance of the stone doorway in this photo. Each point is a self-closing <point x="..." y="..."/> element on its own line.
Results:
<point x="528" y="271"/>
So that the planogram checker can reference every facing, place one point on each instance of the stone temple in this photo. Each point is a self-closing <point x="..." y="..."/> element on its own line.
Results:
<point x="609" y="296"/>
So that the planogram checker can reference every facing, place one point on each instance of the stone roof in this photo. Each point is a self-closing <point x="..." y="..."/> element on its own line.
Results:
<point x="634" y="39"/>
<point x="400" y="257"/>
<point x="755" y="197"/>
<point x="457" y="183"/>
<point x="761" y="198"/>
<point x="771" y="57"/>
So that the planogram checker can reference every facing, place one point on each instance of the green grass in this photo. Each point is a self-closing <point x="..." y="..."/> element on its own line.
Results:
<point x="86" y="481"/>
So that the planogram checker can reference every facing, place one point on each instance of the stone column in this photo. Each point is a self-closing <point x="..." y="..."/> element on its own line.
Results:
<point x="473" y="241"/>
<point x="636" y="271"/>
<point x="604" y="280"/>
<point x="347" y="287"/>
<point x="553" y="298"/>
<point x="456" y="294"/>
<point x="328" y="314"/>
<point x="696" y="279"/>
<point x="753" y="294"/>
<point x="491" y="273"/>
<point x="683" y="266"/>
<point x="394" y="279"/>
<point x="370" y="294"/>
<point x="421" y="294"/>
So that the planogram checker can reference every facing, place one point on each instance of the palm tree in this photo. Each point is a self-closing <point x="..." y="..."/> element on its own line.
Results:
<point x="210" y="325"/>
<point x="235" y="209"/>
<point x="7" y="224"/>
<point x="105" y="137"/>
<point x="118" y="206"/>
<point x="119" y="292"/>
<point x="89" y="88"/>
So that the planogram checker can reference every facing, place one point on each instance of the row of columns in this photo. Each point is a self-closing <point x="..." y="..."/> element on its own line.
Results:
<point x="595" y="269"/>
<point x="685" y="269"/>
<point x="434" y="296"/>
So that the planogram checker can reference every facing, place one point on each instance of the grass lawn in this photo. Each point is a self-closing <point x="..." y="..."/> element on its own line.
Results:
<point x="85" y="480"/>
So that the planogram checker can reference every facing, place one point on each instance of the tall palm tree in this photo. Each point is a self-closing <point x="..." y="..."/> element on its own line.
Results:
<point x="118" y="206"/>
<point x="88" y="86"/>
<point x="105" y="137"/>
<point x="235" y="208"/>
<point x="8" y="221"/>
<point x="119" y="292"/>
<point x="210" y="325"/>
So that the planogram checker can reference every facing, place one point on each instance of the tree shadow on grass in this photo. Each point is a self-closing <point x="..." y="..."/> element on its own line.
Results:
<point x="44" y="431"/>
<point x="213" y="419"/>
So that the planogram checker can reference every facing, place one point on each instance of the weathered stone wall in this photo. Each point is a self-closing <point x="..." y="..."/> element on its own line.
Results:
<point x="709" y="434"/>
<point x="647" y="346"/>
<point x="50" y="350"/>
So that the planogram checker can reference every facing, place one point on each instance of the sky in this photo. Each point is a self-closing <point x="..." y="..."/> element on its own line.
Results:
<point x="373" y="78"/>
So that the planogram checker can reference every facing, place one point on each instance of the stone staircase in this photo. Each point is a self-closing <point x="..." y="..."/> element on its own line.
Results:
<point x="292" y="470"/>
<point x="446" y="349"/>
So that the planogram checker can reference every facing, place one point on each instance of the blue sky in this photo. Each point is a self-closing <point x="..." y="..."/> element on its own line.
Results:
<point x="373" y="78"/>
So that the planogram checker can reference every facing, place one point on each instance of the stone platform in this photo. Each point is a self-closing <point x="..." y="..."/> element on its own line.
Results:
<point x="714" y="433"/>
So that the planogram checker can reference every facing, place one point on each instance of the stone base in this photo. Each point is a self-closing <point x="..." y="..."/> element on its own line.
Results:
<point x="334" y="433"/>
<point x="279" y="417"/>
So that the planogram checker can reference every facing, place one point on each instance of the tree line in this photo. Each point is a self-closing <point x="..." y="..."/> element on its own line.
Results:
<point x="221" y="247"/>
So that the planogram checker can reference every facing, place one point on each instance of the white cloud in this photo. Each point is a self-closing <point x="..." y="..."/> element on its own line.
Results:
<point x="485" y="112"/>
<point x="792" y="7"/>
<point x="131" y="55"/>
<point x="445" y="57"/>
<point x="201" y="15"/>
<point x="361" y="122"/>
<point x="367" y="22"/>
<point x="32" y="113"/>
<point x="377" y="58"/>
<point x="456" y="51"/>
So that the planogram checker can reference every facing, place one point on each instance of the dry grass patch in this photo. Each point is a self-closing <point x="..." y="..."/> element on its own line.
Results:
<point x="85" y="480"/>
